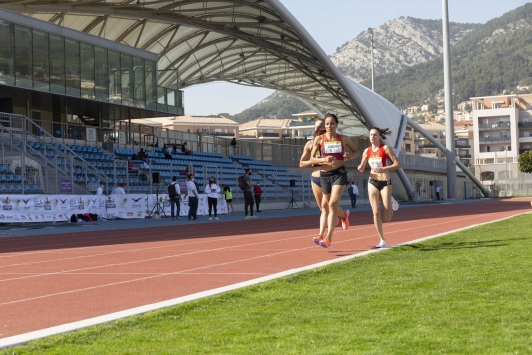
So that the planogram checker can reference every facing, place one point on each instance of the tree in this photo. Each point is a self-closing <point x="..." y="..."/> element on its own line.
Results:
<point x="525" y="161"/>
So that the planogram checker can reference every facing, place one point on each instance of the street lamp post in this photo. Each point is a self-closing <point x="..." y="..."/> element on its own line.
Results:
<point x="370" y="30"/>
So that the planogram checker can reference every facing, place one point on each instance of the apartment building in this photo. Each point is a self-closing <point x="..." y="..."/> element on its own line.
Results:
<point x="502" y="127"/>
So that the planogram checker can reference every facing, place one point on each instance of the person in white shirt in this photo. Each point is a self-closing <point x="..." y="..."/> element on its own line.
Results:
<point x="213" y="192"/>
<point x="438" y="190"/>
<point x="353" y="193"/>
<point x="119" y="190"/>
<point x="99" y="190"/>
<point x="192" y="193"/>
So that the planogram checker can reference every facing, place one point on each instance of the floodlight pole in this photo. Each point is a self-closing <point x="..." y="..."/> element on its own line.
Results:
<point x="449" y="121"/>
<point x="370" y="30"/>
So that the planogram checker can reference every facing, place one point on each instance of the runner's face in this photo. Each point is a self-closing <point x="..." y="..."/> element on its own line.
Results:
<point x="330" y="125"/>
<point x="374" y="137"/>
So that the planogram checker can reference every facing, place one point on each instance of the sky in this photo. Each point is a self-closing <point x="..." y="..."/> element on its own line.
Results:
<point x="332" y="23"/>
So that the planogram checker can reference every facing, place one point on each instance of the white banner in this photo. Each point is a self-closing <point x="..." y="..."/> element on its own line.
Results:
<point x="49" y="208"/>
<point x="203" y="206"/>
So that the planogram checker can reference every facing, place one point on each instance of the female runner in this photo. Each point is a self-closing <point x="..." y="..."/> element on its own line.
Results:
<point x="315" y="181"/>
<point x="333" y="176"/>
<point x="380" y="184"/>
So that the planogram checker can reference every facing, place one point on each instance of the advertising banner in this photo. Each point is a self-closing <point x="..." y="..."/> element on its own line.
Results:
<point x="50" y="208"/>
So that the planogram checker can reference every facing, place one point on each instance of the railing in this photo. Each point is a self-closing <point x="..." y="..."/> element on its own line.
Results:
<point x="495" y="125"/>
<point x="495" y="140"/>
<point x="275" y="135"/>
<point x="524" y="125"/>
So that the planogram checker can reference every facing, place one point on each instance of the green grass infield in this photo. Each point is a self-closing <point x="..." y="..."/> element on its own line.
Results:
<point x="468" y="292"/>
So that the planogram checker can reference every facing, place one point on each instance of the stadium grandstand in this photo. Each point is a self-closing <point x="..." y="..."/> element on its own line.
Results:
<point x="75" y="77"/>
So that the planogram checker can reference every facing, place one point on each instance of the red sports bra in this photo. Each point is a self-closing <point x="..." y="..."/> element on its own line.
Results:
<point x="333" y="147"/>
<point x="377" y="159"/>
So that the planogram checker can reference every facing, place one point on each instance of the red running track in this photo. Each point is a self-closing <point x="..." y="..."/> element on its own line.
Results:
<point x="51" y="280"/>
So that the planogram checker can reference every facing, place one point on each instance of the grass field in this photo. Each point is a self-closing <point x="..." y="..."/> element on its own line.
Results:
<point x="464" y="293"/>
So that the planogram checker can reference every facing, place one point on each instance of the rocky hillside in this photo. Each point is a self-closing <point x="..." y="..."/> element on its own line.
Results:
<point x="398" y="44"/>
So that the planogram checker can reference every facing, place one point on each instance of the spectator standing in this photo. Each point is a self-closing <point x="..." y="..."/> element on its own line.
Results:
<point x="192" y="193"/>
<point x="174" y="194"/>
<point x="213" y="192"/>
<point x="257" y="191"/>
<point x="438" y="190"/>
<point x="248" y="197"/>
<point x="233" y="144"/>
<point x="99" y="190"/>
<point x="228" y="198"/>
<point x="119" y="190"/>
<point x="353" y="193"/>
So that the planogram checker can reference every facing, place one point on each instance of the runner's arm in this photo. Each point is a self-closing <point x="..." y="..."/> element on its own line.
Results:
<point x="362" y="165"/>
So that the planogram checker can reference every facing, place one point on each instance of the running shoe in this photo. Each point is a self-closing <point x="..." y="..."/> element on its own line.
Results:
<point x="325" y="243"/>
<point x="216" y="218"/>
<point x="210" y="218"/>
<point x="253" y="217"/>
<point x="382" y="244"/>
<point x="395" y="205"/>
<point x="345" y="222"/>
<point x="248" y="217"/>
<point x="317" y="239"/>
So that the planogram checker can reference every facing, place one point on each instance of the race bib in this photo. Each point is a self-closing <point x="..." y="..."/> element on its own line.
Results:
<point x="375" y="162"/>
<point x="333" y="147"/>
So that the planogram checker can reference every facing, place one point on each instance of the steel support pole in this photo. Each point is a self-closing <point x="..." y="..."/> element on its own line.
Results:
<point x="449" y="121"/>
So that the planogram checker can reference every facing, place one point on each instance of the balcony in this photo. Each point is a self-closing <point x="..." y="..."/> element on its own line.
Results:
<point x="490" y="140"/>
<point x="522" y="150"/>
<point x="269" y="135"/>
<point x="465" y="156"/>
<point x="426" y="146"/>
<point x="494" y="126"/>
<point x="525" y="125"/>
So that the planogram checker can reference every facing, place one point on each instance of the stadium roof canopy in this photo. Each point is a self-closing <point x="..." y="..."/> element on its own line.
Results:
<point x="246" y="42"/>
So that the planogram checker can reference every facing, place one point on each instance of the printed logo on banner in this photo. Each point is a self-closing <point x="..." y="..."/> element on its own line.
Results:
<point x="37" y="203"/>
<point x="139" y="213"/>
<point x="22" y="217"/>
<point x="123" y="202"/>
<point x="81" y="204"/>
<point x="101" y="203"/>
<point x="17" y="204"/>
<point x="47" y="205"/>
<point x="73" y="203"/>
<point x="91" y="202"/>
<point x="136" y="202"/>
<point x="130" y="214"/>
<point x="2" y="217"/>
<point x="6" y="204"/>
<point x="110" y="203"/>
<point x="29" y="218"/>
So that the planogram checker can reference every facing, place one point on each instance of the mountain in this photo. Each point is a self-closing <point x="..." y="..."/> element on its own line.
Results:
<point x="398" y="44"/>
<point x="489" y="60"/>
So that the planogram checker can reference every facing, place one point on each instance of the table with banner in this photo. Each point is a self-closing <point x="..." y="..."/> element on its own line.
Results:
<point x="57" y="208"/>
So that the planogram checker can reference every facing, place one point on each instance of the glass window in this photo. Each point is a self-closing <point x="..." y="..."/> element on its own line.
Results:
<point x="101" y="73"/>
<point x="115" y="87"/>
<point x="170" y="97"/>
<point x="87" y="71"/>
<point x="126" y="62"/>
<point x="41" y="61"/>
<point x="23" y="62"/>
<point x="161" y="99"/>
<point x="151" y="85"/>
<point x="7" y="70"/>
<point x="138" y="84"/>
<point x="57" y="64"/>
<point x="73" y="78"/>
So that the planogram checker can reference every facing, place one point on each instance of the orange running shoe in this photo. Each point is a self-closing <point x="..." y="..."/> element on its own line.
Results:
<point x="325" y="243"/>
<point x="345" y="222"/>
<point x="317" y="239"/>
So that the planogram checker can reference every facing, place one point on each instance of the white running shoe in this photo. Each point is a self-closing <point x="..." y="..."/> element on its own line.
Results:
<point x="395" y="205"/>
<point x="210" y="218"/>
<point x="382" y="244"/>
<point x="216" y="218"/>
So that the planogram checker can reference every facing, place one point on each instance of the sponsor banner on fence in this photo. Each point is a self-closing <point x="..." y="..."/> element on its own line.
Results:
<point x="49" y="208"/>
<point x="164" y="204"/>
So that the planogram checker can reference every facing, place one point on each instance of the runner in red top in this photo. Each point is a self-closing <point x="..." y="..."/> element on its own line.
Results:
<point x="380" y="184"/>
<point x="333" y="176"/>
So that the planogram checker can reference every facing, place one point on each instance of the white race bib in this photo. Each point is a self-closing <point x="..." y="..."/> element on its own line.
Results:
<point x="375" y="162"/>
<point x="333" y="147"/>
